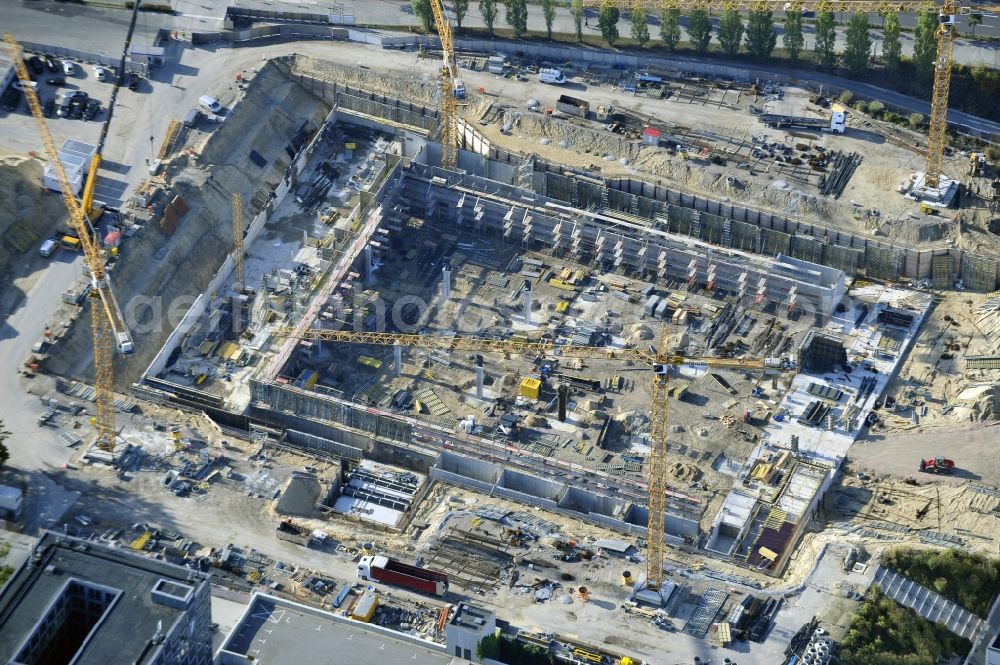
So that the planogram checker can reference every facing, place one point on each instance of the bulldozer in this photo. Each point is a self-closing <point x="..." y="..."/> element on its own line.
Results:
<point x="937" y="465"/>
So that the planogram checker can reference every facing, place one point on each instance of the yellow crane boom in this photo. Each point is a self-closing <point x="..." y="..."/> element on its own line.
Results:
<point x="658" y="360"/>
<point x="450" y="89"/>
<point x="105" y="315"/>
<point x="938" y="122"/>
<point x="238" y="242"/>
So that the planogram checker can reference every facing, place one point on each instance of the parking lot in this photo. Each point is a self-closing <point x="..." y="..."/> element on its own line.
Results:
<point x="74" y="100"/>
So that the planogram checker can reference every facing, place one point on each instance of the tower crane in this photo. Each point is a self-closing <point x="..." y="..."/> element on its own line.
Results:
<point x="108" y="324"/>
<point x="659" y="361"/>
<point x="945" y="35"/>
<point x="452" y="88"/>
<point x="92" y="210"/>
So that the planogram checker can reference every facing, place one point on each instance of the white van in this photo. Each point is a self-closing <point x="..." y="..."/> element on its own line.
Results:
<point x="48" y="248"/>
<point x="554" y="76"/>
<point x="209" y="103"/>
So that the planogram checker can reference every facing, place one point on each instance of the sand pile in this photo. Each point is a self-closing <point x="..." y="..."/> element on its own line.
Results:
<point x="980" y="403"/>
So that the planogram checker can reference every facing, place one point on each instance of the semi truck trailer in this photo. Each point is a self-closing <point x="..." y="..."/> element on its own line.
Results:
<point x="383" y="569"/>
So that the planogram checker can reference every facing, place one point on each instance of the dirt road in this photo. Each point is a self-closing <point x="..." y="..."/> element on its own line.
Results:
<point x="975" y="452"/>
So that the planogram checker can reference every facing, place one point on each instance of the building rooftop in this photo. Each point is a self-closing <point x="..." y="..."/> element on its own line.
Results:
<point x="471" y="617"/>
<point x="280" y="632"/>
<point x="141" y="597"/>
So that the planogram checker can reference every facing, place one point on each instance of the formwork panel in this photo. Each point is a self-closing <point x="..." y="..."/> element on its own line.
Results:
<point x="979" y="273"/>
<point x="805" y="248"/>
<point x="942" y="271"/>
<point x="844" y="258"/>
<point x="883" y="263"/>
<point x="774" y="242"/>
<point x="744" y="236"/>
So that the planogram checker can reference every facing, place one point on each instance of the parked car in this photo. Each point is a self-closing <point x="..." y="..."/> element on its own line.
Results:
<point x="132" y="79"/>
<point x="51" y="63"/>
<point x="56" y="80"/>
<point x="69" y="69"/>
<point x="48" y="248"/>
<point x="10" y="99"/>
<point x="101" y="73"/>
<point x="69" y="95"/>
<point x="20" y="86"/>
<point x="76" y="107"/>
<point x="63" y="110"/>
<point x="36" y="64"/>
<point x="91" y="109"/>
<point x="49" y="107"/>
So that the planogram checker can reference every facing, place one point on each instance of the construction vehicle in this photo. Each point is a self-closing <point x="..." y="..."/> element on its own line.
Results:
<point x="660" y="361"/>
<point x="107" y="323"/>
<point x="946" y="33"/>
<point x="380" y="568"/>
<point x="452" y="89"/>
<point x="836" y="123"/>
<point x="937" y="465"/>
<point x="977" y="164"/>
<point x="92" y="209"/>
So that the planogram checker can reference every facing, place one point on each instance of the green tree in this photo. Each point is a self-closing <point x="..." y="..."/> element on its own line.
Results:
<point x="792" y="40"/>
<point x="858" y="47"/>
<point x="973" y="21"/>
<point x="761" y="37"/>
<point x="489" y="11"/>
<point x="577" y="9"/>
<point x="730" y="31"/>
<point x="915" y="120"/>
<point x="670" y="28"/>
<point x="422" y="10"/>
<point x="925" y="46"/>
<point x="699" y="29"/>
<point x="549" y="14"/>
<point x="517" y="16"/>
<point x="640" y="26"/>
<point x="607" y="21"/>
<point x="461" y="8"/>
<point x="892" y="49"/>
<point x="826" y="39"/>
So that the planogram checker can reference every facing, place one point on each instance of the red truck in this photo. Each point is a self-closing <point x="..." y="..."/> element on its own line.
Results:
<point x="386" y="570"/>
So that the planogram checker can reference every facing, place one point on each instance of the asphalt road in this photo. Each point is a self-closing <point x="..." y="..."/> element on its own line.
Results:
<point x="399" y="12"/>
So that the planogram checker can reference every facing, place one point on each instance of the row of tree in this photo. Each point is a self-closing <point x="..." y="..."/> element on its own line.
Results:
<point x="757" y="35"/>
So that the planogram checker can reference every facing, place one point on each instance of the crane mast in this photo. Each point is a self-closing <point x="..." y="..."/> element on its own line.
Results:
<point x="660" y="363"/>
<point x="238" y="249"/>
<point x="449" y="89"/>
<point x="108" y="326"/>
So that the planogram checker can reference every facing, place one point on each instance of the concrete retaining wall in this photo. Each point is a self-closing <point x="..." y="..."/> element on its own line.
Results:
<point x="518" y="482"/>
<point x="484" y="472"/>
<point x="314" y="442"/>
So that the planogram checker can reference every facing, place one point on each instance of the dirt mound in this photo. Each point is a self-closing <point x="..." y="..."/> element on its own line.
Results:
<point x="28" y="212"/>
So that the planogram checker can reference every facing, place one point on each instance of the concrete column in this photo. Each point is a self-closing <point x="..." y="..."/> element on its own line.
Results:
<point x="527" y="301"/>
<point x="479" y="377"/>
<point x="446" y="281"/>
<point x="397" y="355"/>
